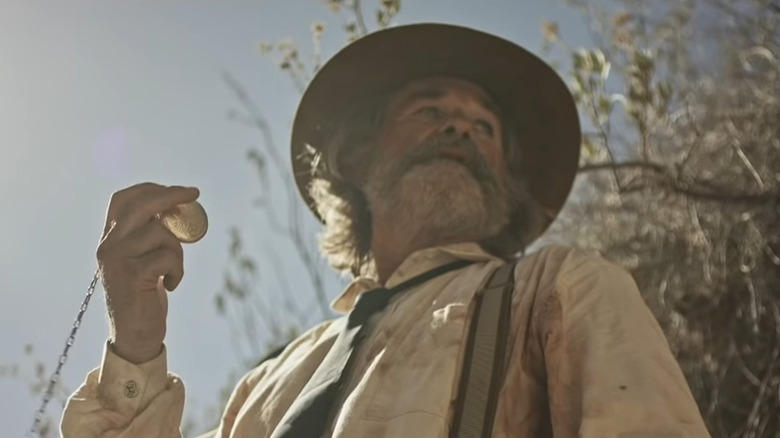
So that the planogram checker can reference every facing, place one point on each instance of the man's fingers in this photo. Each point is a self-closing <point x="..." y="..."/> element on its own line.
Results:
<point x="144" y="206"/>
<point x="149" y="237"/>
<point x="163" y="262"/>
<point x="120" y="198"/>
<point x="171" y="282"/>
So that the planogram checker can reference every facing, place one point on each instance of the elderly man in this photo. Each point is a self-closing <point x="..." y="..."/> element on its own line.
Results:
<point x="434" y="155"/>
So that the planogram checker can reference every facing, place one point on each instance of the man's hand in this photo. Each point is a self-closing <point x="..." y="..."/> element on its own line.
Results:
<point x="139" y="259"/>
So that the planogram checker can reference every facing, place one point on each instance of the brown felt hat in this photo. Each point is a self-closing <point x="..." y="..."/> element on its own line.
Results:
<point x="526" y="89"/>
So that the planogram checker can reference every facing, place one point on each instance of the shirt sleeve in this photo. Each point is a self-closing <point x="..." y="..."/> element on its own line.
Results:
<point x="610" y="371"/>
<point x="122" y="400"/>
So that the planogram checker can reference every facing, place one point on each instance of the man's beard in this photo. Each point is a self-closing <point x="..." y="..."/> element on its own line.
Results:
<point x="431" y="197"/>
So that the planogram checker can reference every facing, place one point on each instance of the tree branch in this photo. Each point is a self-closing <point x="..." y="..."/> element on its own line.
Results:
<point x="359" y="20"/>
<point x="624" y="165"/>
<point x="716" y="194"/>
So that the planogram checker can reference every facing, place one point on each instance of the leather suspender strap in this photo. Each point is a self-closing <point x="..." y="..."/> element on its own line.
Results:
<point x="483" y="364"/>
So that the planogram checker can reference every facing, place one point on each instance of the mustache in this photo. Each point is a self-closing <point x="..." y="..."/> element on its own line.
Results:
<point x="438" y="146"/>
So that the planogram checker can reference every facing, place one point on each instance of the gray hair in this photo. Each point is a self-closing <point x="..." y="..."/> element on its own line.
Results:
<point x="341" y="202"/>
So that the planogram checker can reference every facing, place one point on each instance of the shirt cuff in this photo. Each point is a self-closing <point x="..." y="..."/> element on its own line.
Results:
<point x="128" y="388"/>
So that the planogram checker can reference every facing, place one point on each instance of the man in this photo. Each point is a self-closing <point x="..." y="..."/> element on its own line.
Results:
<point x="419" y="147"/>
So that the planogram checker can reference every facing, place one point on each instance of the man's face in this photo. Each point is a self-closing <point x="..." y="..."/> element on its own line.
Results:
<point x="439" y="165"/>
<point x="427" y="108"/>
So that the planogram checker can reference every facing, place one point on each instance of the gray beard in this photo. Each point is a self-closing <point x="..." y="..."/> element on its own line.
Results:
<point x="435" y="200"/>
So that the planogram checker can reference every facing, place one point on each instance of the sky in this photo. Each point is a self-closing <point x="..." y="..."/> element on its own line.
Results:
<point x="97" y="96"/>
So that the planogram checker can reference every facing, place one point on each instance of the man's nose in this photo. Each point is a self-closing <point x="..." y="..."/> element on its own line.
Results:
<point x="457" y="126"/>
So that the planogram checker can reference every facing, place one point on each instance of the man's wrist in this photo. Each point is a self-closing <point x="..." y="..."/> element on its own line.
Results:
<point x="135" y="354"/>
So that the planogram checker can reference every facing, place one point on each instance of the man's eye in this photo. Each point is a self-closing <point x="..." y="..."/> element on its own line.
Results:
<point x="431" y="111"/>
<point x="485" y="127"/>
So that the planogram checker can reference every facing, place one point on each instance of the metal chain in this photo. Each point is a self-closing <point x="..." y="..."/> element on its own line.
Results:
<point x="188" y="223"/>
<point x="63" y="357"/>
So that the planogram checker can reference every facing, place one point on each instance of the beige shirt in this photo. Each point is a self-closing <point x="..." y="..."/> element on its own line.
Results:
<point x="586" y="359"/>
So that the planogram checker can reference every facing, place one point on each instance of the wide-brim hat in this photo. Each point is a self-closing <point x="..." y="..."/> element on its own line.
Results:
<point x="525" y="88"/>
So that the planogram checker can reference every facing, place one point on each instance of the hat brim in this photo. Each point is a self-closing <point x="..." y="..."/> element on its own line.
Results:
<point x="525" y="88"/>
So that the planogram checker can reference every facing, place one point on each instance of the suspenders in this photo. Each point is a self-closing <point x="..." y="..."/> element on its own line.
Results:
<point x="483" y="364"/>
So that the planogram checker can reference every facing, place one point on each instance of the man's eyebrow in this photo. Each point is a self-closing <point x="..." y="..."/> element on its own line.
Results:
<point x="491" y="106"/>
<point x="437" y="93"/>
<point x="425" y="93"/>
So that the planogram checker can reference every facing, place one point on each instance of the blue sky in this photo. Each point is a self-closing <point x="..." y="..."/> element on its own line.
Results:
<point x="96" y="96"/>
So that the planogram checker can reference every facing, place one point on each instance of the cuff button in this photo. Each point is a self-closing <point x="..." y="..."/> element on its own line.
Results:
<point x="131" y="389"/>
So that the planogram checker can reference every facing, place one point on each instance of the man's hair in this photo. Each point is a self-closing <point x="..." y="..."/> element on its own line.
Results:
<point x="342" y="203"/>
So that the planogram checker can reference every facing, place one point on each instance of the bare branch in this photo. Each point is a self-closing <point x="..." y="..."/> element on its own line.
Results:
<point x="293" y="229"/>
<point x="718" y="194"/>
<point x="355" y="6"/>
<point x="696" y="144"/>
<point x="764" y="388"/>
<point x="624" y="165"/>
<point x="737" y="145"/>
<point x="257" y="119"/>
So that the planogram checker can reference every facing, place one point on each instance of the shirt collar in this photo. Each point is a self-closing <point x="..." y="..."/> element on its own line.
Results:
<point x="415" y="264"/>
